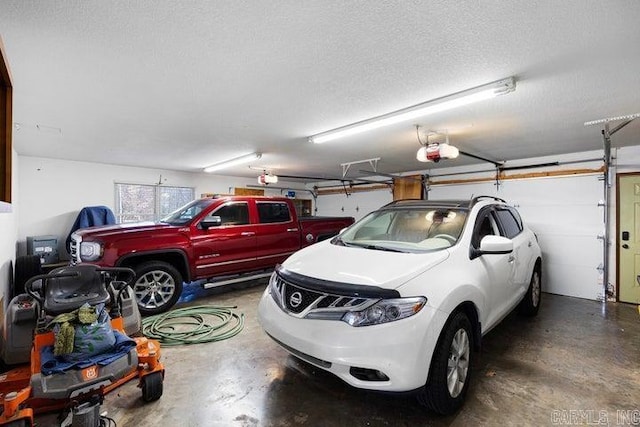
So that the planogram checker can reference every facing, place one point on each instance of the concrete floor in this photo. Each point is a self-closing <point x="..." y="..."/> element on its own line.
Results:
<point x="576" y="363"/>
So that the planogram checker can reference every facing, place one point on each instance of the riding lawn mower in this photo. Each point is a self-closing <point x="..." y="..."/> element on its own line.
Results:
<point x="69" y="338"/>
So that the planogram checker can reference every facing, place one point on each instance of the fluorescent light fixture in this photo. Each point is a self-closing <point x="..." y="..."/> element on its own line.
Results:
<point x="233" y="162"/>
<point x="444" y="103"/>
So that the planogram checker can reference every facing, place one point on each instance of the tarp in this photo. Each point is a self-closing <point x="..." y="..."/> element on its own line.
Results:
<point x="91" y="216"/>
<point x="50" y="364"/>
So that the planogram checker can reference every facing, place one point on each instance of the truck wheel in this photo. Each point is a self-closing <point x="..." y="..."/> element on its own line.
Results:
<point x="27" y="266"/>
<point x="158" y="286"/>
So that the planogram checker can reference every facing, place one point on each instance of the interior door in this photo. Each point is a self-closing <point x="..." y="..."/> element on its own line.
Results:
<point x="629" y="238"/>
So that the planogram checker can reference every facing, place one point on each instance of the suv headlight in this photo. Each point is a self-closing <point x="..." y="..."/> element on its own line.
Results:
<point x="386" y="310"/>
<point x="90" y="251"/>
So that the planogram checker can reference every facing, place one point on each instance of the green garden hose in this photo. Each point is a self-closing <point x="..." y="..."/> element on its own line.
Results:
<point x="189" y="325"/>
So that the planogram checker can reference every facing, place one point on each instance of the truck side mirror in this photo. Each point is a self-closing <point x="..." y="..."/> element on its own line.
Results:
<point x="212" y="221"/>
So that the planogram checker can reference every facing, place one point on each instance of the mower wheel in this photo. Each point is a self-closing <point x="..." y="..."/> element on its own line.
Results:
<point x="152" y="387"/>
<point x="27" y="266"/>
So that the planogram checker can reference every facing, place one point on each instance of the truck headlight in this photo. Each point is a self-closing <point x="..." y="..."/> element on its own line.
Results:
<point x="90" y="251"/>
<point x="386" y="310"/>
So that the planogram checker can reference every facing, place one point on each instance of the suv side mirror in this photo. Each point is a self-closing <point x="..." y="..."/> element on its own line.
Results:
<point x="212" y="221"/>
<point x="496" y="245"/>
<point x="492" y="245"/>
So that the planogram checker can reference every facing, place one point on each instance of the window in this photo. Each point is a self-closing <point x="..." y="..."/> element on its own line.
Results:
<point x="509" y="223"/>
<point x="485" y="226"/>
<point x="233" y="214"/>
<point x="376" y="228"/>
<point x="185" y="214"/>
<point x="414" y="229"/>
<point x="517" y="216"/>
<point x="135" y="202"/>
<point x="273" y="212"/>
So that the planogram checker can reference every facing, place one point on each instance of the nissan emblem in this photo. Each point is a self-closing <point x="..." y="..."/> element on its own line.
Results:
<point x="295" y="299"/>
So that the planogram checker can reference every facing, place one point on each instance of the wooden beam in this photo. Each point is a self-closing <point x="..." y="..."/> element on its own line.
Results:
<point x="407" y="187"/>
<point x="505" y="177"/>
<point x="340" y="190"/>
<point x="6" y="126"/>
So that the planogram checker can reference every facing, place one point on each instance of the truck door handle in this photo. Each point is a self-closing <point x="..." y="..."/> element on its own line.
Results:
<point x="292" y="230"/>
<point x="625" y="246"/>
<point x="248" y="233"/>
<point x="529" y="245"/>
<point x="511" y="258"/>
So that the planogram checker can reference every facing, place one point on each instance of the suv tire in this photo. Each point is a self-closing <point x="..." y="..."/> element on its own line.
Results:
<point x="450" y="371"/>
<point x="530" y="305"/>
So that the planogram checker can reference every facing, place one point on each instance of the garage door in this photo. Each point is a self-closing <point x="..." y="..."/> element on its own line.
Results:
<point x="564" y="214"/>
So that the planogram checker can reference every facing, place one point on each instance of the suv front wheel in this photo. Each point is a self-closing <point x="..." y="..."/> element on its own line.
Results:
<point x="450" y="367"/>
<point x="158" y="286"/>
<point x="530" y="305"/>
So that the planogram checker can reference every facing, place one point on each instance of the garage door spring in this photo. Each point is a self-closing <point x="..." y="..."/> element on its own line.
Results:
<point x="193" y="325"/>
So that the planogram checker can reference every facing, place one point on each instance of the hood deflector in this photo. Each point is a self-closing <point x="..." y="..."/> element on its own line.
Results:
<point x="336" y="288"/>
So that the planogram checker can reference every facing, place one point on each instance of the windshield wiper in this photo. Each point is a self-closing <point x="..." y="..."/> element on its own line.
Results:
<point x="378" y="247"/>
<point x="338" y="241"/>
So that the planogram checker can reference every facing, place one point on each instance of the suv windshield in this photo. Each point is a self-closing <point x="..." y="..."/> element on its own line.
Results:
<point x="415" y="229"/>
<point x="186" y="213"/>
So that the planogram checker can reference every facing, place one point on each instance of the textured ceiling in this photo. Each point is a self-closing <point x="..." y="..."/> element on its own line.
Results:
<point x="185" y="84"/>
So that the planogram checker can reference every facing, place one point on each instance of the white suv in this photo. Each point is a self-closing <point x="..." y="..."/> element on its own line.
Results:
<point x="399" y="300"/>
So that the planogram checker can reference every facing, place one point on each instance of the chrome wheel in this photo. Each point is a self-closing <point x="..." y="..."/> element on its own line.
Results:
<point x="535" y="289"/>
<point x="458" y="363"/>
<point x="154" y="289"/>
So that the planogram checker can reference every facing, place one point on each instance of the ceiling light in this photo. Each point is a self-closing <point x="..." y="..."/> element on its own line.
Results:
<point x="233" y="162"/>
<point x="433" y="106"/>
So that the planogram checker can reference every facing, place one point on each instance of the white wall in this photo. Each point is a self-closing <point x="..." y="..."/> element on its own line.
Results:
<point x="563" y="211"/>
<point x="52" y="191"/>
<point x="8" y="236"/>
<point x="356" y="205"/>
<point x="564" y="214"/>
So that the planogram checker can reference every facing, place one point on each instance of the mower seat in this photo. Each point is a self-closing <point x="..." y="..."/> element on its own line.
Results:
<point x="65" y="294"/>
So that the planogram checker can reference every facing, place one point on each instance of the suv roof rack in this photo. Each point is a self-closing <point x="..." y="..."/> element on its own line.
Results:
<point x="464" y="203"/>
<point x="478" y="198"/>
<point x="423" y="202"/>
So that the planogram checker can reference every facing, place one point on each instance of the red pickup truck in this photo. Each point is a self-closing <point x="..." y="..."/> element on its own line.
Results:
<point x="223" y="239"/>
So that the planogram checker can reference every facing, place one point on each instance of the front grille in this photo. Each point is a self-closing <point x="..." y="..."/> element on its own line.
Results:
<point x="297" y="299"/>
<point x="302" y="302"/>
<point x="74" y="249"/>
